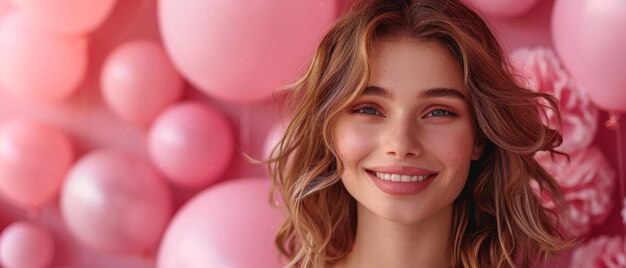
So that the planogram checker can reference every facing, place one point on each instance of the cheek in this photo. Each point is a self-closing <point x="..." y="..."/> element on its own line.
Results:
<point x="453" y="146"/>
<point x="453" y="149"/>
<point x="352" y="142"/>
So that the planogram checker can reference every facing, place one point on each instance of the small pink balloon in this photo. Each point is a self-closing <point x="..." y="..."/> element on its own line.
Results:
<point x="228" y="225"/>
<point x="116" y="202"/>
<point x="34" y="159"/>
<point x="191" y="143"/>
<point x="240" y="50"/>
<point x="138" y="81"/>
<point x="39" y="65"/>
<point x="68" y="16"/>
<point x="502" y="8"/>
<point x="589" y="37"/>
<point x="26" y="245"/>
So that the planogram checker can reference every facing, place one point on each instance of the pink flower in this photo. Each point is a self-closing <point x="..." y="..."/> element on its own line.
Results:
<point x="540" y="70"/>
<point x="602" y="252"/>
<point x="587" y="182"/>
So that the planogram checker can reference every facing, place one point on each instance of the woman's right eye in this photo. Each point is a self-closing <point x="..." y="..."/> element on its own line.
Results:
<point x="367" y="110"/>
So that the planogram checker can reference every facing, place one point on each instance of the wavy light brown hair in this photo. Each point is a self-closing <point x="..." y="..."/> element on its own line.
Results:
<point x="497" y="219"/>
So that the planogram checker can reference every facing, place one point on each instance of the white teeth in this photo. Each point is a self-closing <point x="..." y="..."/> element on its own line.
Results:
<point x="400" y="178"/>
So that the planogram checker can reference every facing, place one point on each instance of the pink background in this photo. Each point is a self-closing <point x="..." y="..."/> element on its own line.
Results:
<point x="91" y="125"/>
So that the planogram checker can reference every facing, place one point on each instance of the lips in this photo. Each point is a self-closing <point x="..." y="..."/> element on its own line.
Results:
<point x="411" y="182"/>
<point x="400" y="178"/>
<point x="402" y="170"/>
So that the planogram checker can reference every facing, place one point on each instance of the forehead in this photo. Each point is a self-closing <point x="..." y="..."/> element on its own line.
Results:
<point x="408" y="62"/>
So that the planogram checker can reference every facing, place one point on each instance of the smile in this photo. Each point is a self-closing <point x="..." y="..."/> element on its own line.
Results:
<point x="400" y="178"/>
<point x="398" y="184"/>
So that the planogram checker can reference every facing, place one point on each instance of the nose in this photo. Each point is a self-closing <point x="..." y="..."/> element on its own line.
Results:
<point x="402" y="140"/>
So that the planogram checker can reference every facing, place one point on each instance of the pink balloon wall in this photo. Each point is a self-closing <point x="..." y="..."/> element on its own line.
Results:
<point x="90" y="124"/>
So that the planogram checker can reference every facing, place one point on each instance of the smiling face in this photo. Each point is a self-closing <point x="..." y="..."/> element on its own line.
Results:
<point x="407" y="142"/>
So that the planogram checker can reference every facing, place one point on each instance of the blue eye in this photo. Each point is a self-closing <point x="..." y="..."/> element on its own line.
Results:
<point x="367" y="110"/>
<point x="440" y="113"/>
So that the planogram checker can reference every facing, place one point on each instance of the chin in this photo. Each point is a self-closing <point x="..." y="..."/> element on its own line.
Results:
<point x="410" y="214"/>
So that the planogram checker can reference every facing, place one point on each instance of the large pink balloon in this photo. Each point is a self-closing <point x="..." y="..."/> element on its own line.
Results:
<point x="138" y="81"/>
<point x="242" y="50"/>
<point x="68" y="16"/>
<point x="37" y="64"/>
<point x="191" y="143"/>
<point x="590" y="38"/>
<point x="26" y="245"/>
<point x="502" y="8"/>
<point x="34" y="159"/>
<point x="5" y="7"/>
<point x="116" y="202"/>
<point x="228" y="225"/>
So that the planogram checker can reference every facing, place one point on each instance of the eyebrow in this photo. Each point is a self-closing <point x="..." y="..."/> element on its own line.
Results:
<point x="429" y="93"/>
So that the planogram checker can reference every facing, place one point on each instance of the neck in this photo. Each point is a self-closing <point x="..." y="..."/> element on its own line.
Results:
<point x="383" y="243"/>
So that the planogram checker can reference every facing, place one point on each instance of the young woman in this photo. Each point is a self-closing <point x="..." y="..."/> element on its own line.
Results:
<point x="410" y="145"/>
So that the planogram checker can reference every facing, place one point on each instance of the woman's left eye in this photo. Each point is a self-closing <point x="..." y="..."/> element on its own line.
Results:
<point x="367" y="110"/>
<point x="440" y="112"/>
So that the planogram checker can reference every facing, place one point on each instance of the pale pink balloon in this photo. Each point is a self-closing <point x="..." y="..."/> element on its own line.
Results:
<point x="192" y="144"/>
<point x="34" y="159"/>
<point x="590" y="39"/>
<point x="39" y="65"/>
<point x="116" y="202"/>
<point x="243" y="50"/>
<point x="502" y="8"/>
<point x="26" y="245"/>
<point x="228" y="225"/>
<point x="138" y="81"/>
<point x="5" y="7"/>
<point x="68" y="16"/>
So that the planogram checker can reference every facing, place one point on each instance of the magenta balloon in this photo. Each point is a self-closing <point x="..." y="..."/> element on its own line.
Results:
<point x="589" y="37"/>
<point x="502" y="8"/>
<point x="228" y="225"/>
<point x="242" y="50"/>
<point x="138" y="81"/>
<point x="26" y="245"/>
<point x="68" y="16"/>
<point x="39" y="65"/>
<point x="116" y="202"/>
<point x="34" y="159"/>
<point x="191" y="143"/>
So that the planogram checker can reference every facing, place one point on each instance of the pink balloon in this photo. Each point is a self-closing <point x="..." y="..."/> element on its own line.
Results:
<point x="589" y="37"/>
<point x="116" y="202"/>
<point x="192" y="144"/>
<point x="138" y="81"/>
<point x="228" y="225"/>
<point x="502" y="8"/>
<point x="68" y="16"/>
<point x="39" y="65"/>
<point x="5" y="7"/>
<point x="243" y="50"/>
<point x="34" y="159"/>
<point x="26" y="245"/>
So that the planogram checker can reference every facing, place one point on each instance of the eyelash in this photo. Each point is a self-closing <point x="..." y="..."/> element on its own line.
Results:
<point x="360" y="110"/>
